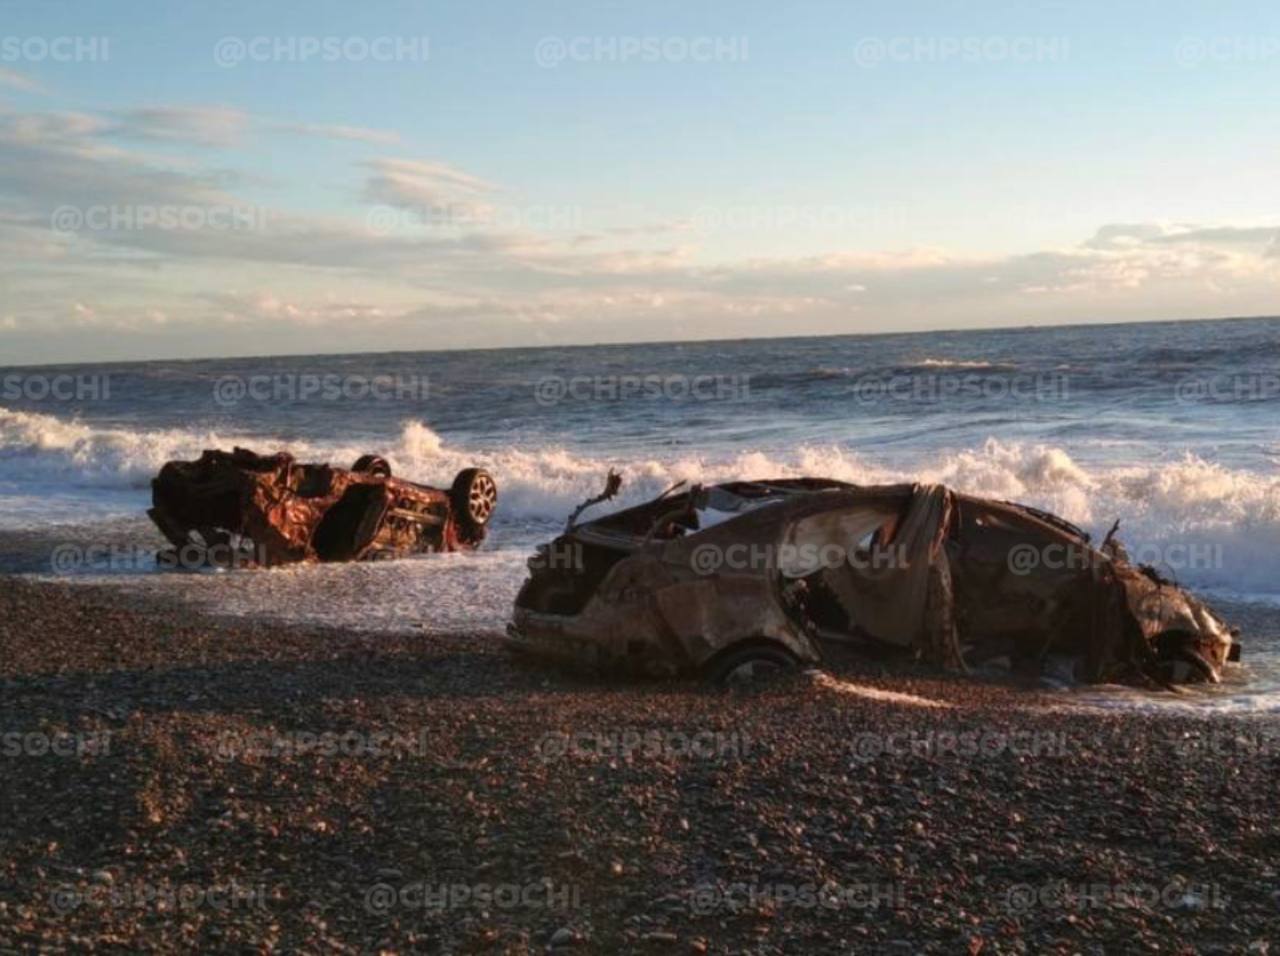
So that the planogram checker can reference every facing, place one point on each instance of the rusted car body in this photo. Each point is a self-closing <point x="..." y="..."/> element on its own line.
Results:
<point x="738" y="577"/>
<point x="276" y="510"/>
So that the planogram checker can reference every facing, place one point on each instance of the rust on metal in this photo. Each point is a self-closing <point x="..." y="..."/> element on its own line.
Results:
<point x="760" y="574"/>
<point x="279" y="511"/>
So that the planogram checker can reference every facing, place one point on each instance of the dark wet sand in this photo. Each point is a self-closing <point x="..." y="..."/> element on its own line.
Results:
<point x="710" y="834"/>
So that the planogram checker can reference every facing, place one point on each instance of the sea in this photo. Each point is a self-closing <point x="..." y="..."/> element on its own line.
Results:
<point x="1171" y="428"/>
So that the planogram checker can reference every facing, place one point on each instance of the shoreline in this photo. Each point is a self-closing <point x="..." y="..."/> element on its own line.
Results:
<point x="428" y="792"/>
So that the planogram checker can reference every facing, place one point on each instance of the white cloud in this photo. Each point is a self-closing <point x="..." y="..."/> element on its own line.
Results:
<point x="223" y="126"/>
<point x="19" y="81"/>
<point x="1135" y="235"/>
<point x="358" y="134"/>
<point x="510" y="282"/>
<point x="51" y="130"/>
<point x="269" y="307"/>
<point x="436" y="192"/>
<point x="217" y="126"/>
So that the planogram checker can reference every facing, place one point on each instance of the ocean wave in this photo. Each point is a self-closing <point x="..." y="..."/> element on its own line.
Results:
<point x="1229" y="519"/>
<point x="822" y="372"/>
<point x="43" y="448"/>
<point x="973" y="365"/>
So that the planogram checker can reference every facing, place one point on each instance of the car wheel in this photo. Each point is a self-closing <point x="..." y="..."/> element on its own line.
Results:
<point x="1188" y="667"/>
<point x="474" y="496"/>
<point x="1180" y="663"/>
<point x="749" y="665"/>
<point x="372" y="465"/>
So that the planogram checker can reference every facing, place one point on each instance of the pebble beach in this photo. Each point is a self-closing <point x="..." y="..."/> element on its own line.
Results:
<point x="174" y="781"/>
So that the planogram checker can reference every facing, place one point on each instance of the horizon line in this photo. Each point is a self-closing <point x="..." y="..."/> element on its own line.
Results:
<point x="656" y="342"/>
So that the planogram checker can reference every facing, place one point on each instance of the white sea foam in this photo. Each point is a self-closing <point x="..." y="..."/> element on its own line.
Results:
<point x="975" y="365"/>
<point x="1210" y="525"/>
<point x="53" y="469"/>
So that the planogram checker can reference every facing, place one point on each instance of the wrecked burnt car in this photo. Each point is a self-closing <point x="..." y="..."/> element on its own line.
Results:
<point x="244" y="508"/>
<point x="734" y="579"/>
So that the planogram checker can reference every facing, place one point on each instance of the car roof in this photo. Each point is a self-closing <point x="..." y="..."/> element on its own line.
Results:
<point x="798" y="497"/>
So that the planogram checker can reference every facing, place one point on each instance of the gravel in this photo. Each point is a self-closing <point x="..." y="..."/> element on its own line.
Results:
<point x="171" y="782"/>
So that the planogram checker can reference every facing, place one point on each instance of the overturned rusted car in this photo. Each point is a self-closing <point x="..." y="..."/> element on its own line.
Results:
<point x="749" y="576"/>
<point x="239" y="507"/>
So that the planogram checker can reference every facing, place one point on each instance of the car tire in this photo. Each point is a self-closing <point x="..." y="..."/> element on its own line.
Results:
<point x="750" y="664"/>
<point x="372" y="465"/>
<point x="1180" y="663"/>
<point x="474" y="496"/>
<point x="1188" y="667"/>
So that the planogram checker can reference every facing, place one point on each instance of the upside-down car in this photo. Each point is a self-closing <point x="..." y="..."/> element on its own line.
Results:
<point x="279" y="511"/>
<point x="736" y="578"/>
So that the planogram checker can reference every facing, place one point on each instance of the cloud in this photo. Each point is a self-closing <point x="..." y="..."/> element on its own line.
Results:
<point x="1221" y="235"/>
<point x="1117" y="257"/>
<point x="19" y="81"/>
<point x="217" y="126"/>
<point x="49" y="160"/>
<point x="260" y="306"/>
<point x="358" y="134"/>
<point x="510" y="281"/>
<point x="1124" y="235"/>
<point x="436" y="192"/>
<point x="51" y="130"/>
<point x="1134" y="235"/>
<point x="221" y="127"/>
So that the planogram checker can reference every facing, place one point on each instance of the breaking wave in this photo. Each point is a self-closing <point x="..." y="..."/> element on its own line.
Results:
<point x="973" y="365"/>
<point x="1208" y="524"/>
<point x="42" y="448"/>
<point x="824" y="372"/>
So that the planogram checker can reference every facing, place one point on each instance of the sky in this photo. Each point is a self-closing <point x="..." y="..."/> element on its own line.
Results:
<point x="183" y="180"/>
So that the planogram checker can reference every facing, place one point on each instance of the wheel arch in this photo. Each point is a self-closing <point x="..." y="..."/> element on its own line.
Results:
<point x="709" y="668"/>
